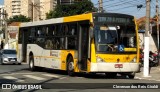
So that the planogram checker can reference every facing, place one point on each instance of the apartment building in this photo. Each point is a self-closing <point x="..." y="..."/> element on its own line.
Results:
<point x="35" y="9"/>
<point x="2" y="16"/>
<point x="67" y="1"/>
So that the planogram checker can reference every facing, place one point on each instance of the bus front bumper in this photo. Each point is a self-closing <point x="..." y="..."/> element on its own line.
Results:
<point x="114" y="67"/>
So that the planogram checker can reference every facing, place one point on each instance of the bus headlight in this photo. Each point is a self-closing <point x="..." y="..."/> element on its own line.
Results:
<point x="134" y="60"/>
<point x="99" y="59"/>
<point x="5" y="59"/>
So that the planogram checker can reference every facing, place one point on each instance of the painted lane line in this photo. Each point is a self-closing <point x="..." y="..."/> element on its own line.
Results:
<point x="51" y="75"/>
<point x="62" y="78"/>
<point x="34" y="77"/>
<point x="13" y="78"/>
<point x="16" y="74"/>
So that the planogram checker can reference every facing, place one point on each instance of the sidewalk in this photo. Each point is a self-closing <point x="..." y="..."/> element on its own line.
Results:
<point x="153" y="75"/>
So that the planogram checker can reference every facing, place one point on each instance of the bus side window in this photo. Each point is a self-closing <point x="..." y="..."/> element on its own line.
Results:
<point x="72" y="30"/>
<point x="46" y="31"/>
<point x="62" y="43"/>
<point x="72" y="42"/>
<point x="54" y="29"/>
<point x="66" y="29"/>
<point x="57" y="43"/>
<point x="32" y="35"/>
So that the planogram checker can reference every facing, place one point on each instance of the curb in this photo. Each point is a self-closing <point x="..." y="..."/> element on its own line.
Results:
<point x="147" y="78"/>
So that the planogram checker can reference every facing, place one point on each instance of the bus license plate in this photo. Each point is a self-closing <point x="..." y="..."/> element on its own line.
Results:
<point x="118" y="65"/>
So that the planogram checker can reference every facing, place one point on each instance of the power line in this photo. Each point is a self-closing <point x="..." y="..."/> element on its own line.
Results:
<point x="119" y="4"/>
<point x="122" y="8"/>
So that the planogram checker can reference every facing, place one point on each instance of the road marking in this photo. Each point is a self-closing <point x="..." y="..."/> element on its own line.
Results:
<point x="51" y="75"/>
<point x="62" y="78"/>
<point x="13" y="78"/>
<point x="34" y="77"/>
<point x="146" y="79"/>
<point x="15" y="74"/>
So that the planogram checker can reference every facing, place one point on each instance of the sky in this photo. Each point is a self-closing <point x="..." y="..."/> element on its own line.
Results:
<point x="1" y="2"/>
<point x="124" y="6"/>
<point x="127" y="7"/>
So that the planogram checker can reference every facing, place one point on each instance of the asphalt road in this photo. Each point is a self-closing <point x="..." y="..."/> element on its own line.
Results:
<point x="58" y="81"/>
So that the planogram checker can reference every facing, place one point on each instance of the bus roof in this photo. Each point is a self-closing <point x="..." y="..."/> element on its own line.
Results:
<point x="88" y="16"/>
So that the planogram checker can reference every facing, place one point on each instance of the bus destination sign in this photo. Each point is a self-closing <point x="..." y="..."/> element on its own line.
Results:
<point x="114" y="19"/>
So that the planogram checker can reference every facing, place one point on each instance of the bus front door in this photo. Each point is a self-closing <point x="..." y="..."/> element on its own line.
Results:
<point x="83" y="45"/>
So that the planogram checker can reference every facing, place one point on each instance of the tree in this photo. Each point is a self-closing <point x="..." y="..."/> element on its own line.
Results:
<point x="142" y="25"/>
<point x="72" y="9"/>
<point x="18" y="18"/>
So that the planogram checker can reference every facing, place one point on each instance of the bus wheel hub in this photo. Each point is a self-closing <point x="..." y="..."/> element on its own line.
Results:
<point x="70" y="66"/>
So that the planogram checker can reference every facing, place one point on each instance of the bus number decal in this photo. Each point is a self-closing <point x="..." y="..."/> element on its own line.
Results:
<point x="54" y="53"/>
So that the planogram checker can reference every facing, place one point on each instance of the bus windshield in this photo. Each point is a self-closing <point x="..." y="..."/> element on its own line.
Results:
<point x="108" y="39"/>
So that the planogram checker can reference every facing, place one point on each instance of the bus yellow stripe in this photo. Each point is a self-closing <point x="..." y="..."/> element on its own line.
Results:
<point x="79" y="18"/>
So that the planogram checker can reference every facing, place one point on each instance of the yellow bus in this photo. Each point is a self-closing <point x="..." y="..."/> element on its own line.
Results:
<point x="90" y="43"/>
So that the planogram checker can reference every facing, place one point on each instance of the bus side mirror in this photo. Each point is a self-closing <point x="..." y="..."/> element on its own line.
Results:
<point x="91" y="34"/>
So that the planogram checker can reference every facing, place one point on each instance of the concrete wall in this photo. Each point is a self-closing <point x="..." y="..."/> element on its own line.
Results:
<point x="152" y="41"/>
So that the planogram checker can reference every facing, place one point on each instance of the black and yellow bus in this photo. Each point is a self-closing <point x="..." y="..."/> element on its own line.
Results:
<point x="90" y="43"/>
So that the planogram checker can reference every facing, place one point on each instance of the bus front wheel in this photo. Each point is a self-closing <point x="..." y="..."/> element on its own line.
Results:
<point x="70" y="66"/>
<point x="111" y="74"/>
<point x="131" y="76"/>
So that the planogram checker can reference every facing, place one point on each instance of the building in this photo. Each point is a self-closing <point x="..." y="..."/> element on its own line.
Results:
<point x="2" y="17"/>
<point x="12" y="35"/>
<point x="35" y="9"/>
<point x="152" y="37"/>
<point x="67" y="1"/>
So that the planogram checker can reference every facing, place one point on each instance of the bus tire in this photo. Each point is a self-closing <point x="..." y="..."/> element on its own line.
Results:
<point x="70" y="66"/>
<point x="131" y="76"/>
<point x="31" y="64"/>
<point x="111" y="74"/>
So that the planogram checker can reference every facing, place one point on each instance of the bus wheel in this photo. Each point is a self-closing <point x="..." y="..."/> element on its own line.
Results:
<point x="31" y="64"/>
<point x="131" y="76"/>
<point x="70" y="66"/>
<point x="111" y="75"/>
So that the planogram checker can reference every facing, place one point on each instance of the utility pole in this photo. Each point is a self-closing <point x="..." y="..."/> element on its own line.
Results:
<point x="100" y="5"/>
<point x="5" y="23"/>
<point x="146" y="40"/>
<point x="157" y="14"/>
<point x="35" y="8"/>
<point x="32" y="11"/>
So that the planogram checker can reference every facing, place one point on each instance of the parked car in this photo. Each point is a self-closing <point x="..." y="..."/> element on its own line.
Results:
<point x="8" y="56"/>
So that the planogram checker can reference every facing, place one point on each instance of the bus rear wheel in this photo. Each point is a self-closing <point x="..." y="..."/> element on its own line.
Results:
<point x="70" y="66"/>
<point x="31" y="64"/>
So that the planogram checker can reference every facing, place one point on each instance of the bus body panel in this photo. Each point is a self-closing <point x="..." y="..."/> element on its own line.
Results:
<point x="55" y="59"/>
<point x="64" y="54"/>
<point x="44" y="22"/>
<point x="19" y="52"/>
<point x="45" y="58"/>
<point x="112" y="58"/>
<point x="110" y="67"/>
<point x="79" y="18"/>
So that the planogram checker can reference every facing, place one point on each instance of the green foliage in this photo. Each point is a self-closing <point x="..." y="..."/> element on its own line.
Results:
<point x="72" y="9"/>
<point x="18" y="18"/>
